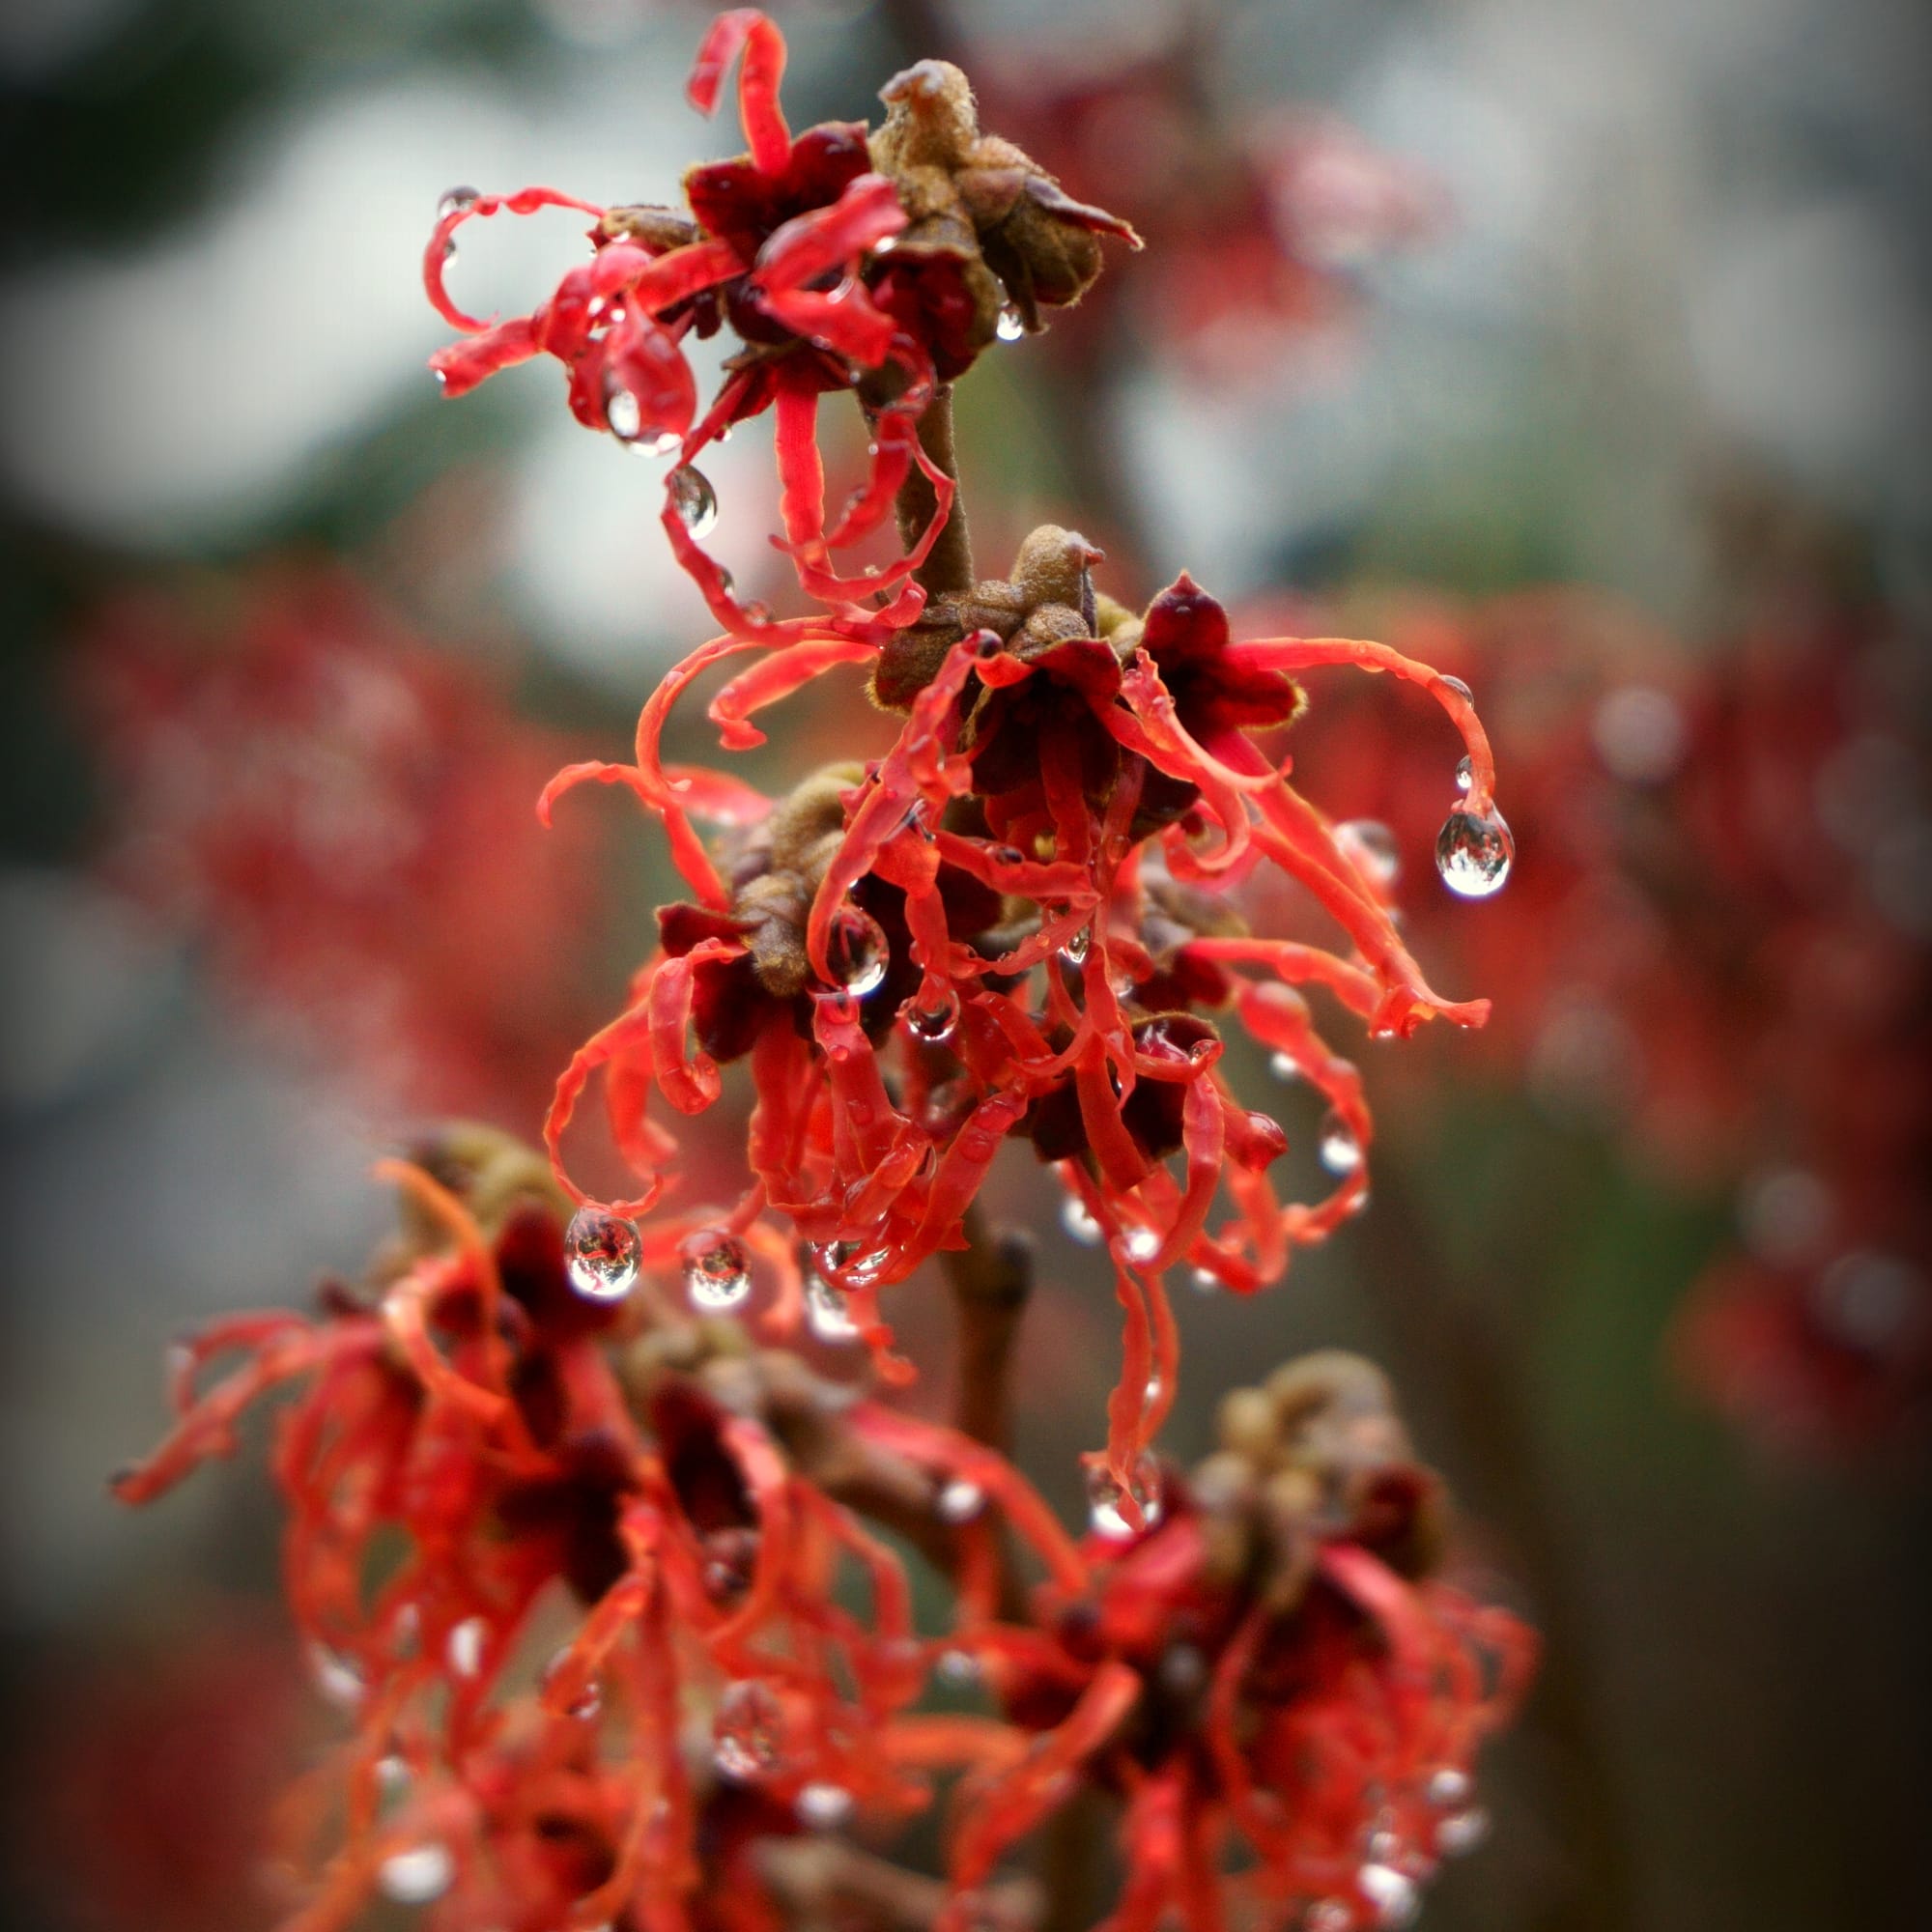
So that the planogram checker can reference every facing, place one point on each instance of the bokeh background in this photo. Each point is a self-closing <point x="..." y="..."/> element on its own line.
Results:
<point x="1576" y="344"/>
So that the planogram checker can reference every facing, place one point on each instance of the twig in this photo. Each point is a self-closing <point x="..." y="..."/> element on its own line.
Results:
<point x="948" y="569"/>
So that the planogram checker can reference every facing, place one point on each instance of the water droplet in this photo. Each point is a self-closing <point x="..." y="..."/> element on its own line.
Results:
<point x="622" y="416"/>
<point x="1203" y="1281"/>
<point x="1153" y="1391"/>
<point x="1142" y="1245"/>
<point x="1328" y="1914"/>
<point x="1473" y="852"/>
<point x="394" y="1779"/>
<point x="730" y="1561"/>
<point x="454" y="201"/>
<point x="696" y="501"/>
<point x="588" y="1701"/>
<point x="1283" y="1067"/>
<point x="420" y="1876"/>
<point x="1074" y="950"/>
<point x="1462" y="1832"/>
<point x="826" y="1311"/>
<point x="464" y="1648"/>
<point x="960" y="1501"/>
<point x="1011" y="325"/>
<point x="337" y="1677"/>
<point x="857" y="951"/>
<point x="1341" y="1151"/>
<point x="958" y="1668"/>
<point x="748" y="1730"/>
<point x="1391" y="1892"/>
<point x="1371" y="845"/>
<point x="1449" y="1787"/>
<point x="601" y="1251"/>
<point x="1104" y="1497"/>
<point x="1461" y="689"/>
<point x="1079" y="1223"/>
<point x="717" y="1272"/>
<point x="931" y="1016"/>
<point x="625" y="421"/>
<point x="823" y="1808"/>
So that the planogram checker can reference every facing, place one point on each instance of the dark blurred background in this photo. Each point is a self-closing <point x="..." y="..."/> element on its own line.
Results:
<point x="1578" y="347"/>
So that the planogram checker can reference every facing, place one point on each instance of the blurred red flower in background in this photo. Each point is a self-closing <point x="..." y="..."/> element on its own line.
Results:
<point x="341" y="813"/>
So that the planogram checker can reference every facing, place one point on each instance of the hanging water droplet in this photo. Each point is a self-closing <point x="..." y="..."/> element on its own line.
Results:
<point x="931" y="1016"/>
<point x="1371" y="844"/>
<point x="622" y="416"/>
<point x="1465" y="772"/>
<point x="602" y="1252"/>
<point x="717" y="1272"/>
<point x="1449" y="1787"/>
<point x="418" y="1876"/>
<point x="1073" y="950"/>
<point x="1461" y="689"/>
<point x="1105" y="1498"/>
<point x="464" y="1648"/>
<point x="1473" y="852"/>
<point x="394" y="1779"/>
<point x="730" y="1561"/>
<point x="823" y="1808"/>
<point x="960" y="1501"/>
<point x="696" y="501"/>
<point x="1142" y="1245"/>
<point x="1079" y="1223"/>
<point x="748" y="1730"/>
<point x="454" y="201"/>
<point x="625" y="421"/>
<point x="1011" y="325"/>
<point x="1203" y="1281"/>
<point x="1154" y="1390"/>
<point x="958" y="1668"/>
<point x="827" y="1311"/>
<point x="1391" y="1892"/>
<point x="1328" y="1914"/>
<point x="1340" y="1150"/>
<point x="1284" y="1067"/>
<point x="857" y="951"/>
<point x="1462" y="1832"/>
<point x="588" y="1701"/>
<point x="337" y="1677"/>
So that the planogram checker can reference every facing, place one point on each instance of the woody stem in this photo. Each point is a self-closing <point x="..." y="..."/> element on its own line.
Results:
<point x="991" y="1279"/>
<point x="948" y="569"/>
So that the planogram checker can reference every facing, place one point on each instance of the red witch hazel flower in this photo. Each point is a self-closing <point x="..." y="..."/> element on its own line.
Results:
<point x="1029" y="921"/>
<point x="576" y="1563"/>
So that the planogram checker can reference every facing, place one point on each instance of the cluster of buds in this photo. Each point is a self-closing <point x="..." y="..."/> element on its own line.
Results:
<point x="582" y="1569"/>
<point x="1027" y="920"/>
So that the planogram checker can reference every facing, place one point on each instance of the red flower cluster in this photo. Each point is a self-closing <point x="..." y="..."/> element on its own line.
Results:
<point x="878" y="265"/>
<point x="1026" y="920"/>
<point x="1720" y="956"/>
<point x="290" y="772"/>
<point x="490" y="1455"/>
<point x="1019" y="921"/>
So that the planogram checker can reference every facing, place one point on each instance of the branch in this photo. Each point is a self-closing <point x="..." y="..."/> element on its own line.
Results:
<point x="948" y="569"/>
